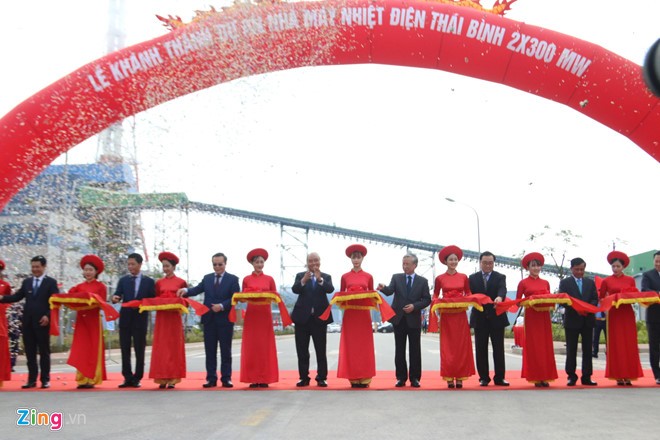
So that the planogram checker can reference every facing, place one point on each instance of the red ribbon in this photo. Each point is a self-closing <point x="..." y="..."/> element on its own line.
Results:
<point x="476" y="298"/>
<point x="386" y="311"/>
<point x="109" y="312"/>
<point x="629" y="295"/>
<point x="511" y="305"/>
<point x="284" y="313"/>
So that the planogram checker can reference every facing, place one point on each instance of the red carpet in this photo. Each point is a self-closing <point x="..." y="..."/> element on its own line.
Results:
<point x="383" y="381"/>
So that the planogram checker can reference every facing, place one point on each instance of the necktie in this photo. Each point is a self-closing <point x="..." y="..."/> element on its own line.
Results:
<point x="217" y="281"/>
<point x="409" y="284"/>
<point x="36" y="287"/>
<point x="485" y="281"/>
<point x="135" y="288"/>
<point x="313" y="282"/>
<point x="579" y="284"/>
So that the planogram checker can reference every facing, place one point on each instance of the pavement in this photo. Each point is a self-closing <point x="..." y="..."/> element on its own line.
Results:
<point x="603" y="412"/>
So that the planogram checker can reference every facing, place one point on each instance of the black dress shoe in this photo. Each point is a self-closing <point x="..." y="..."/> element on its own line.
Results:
<point x="87" y="386"/>
<point x="484" y="383"/>
<point x="29" y="385"/>
<point x="254" y="385"/>
<point x="589" y="382"/>
<point x="125" y="384"/>
<point x="162" y="386"/>
<point x="400" y="383"/>
<point x="657" y="381"/>
<point x="170" y="386"/>
<point x="263" y="385"/>
<point x="45" y="385"/>
<point x="502" y="383"/>
<point x="210" y="384"/>
<point x="414" y="383"/>
<point x="136" y="384"/>
<point x="227" y="384"/>
<point x="321" y="383"/>
<point x="571" y="382"/>
<point x="303" y="383"/>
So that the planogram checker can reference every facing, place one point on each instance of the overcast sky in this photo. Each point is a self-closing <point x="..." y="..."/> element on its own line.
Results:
<point x="375" y="148"/>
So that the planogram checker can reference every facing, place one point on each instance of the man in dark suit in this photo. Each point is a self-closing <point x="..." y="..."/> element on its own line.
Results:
<point x="36" y="290"/>
<point x="411" y="296"/>
<point x="132" y="323"/>
<point x="487" y="324"/>
<point x="218" y="288"/>
<point x="576" y="325"/>
<point x="312" y="287"/>
<point x="651" y="281"/>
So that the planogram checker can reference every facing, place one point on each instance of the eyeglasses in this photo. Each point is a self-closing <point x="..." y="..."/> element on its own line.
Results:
<point x="218" y="264"/>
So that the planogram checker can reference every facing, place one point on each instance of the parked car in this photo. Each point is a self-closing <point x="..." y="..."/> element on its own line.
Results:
<point x="385" y="327"/>
<point x="333" y="327"/>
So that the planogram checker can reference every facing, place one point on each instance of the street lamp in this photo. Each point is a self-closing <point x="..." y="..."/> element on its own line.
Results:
<point x="475" y="213"/>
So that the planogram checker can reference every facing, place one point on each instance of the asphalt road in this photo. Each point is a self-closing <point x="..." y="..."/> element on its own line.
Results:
<point x="628" y="413"/>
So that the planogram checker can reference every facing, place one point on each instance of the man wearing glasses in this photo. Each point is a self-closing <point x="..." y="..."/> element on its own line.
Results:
<point x="487" y="324"/>
<point x="218" y="288"/>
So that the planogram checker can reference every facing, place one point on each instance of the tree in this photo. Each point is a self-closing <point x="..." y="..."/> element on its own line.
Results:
<point x="555" y="244"/>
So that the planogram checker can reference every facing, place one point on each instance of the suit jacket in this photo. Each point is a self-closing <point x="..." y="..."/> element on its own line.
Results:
<point x="589" y="295"/>
<point x="310" y="297"/>
<point x="146" y="289"/>
<point x="496" y="288"/>
<point x="36" y="306"/>
<point x="651" y="281"/>
<point x="125" y="288"/>
<point x="419" y="297"/>
<point x="221" y="295"/>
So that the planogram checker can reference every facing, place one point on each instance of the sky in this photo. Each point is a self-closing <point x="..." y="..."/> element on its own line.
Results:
<point x="370" y="147"/>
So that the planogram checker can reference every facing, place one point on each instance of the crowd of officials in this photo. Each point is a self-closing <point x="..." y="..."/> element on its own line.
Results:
<point x="453" y="293"/>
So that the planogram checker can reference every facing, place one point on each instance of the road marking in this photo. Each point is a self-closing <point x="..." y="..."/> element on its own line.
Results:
<point x="256" y="418"/>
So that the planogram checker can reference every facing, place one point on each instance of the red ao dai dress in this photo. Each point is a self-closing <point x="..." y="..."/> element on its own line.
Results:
<point x="357" y="361"/>
<point x="456" y="360"/>
<point x="87" y="353"/>
<point x="168" y="353"/>
<point x="622" y="349"/>
<point x="258" y="348"/>
<point x="5" y="356"/>
<point x="538" y="353"/>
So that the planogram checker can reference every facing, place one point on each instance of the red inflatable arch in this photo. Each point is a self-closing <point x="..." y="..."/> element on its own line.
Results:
<point x="249" y="40"/>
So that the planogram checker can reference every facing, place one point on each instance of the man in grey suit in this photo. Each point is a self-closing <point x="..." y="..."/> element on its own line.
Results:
<point x="411" y="296"/>
<point x="651" y="282"/>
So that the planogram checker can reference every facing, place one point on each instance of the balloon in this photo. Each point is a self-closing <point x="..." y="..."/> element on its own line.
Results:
<point x="249" y="40"/>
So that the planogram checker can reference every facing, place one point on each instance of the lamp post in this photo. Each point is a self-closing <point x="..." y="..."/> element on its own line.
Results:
<point x="475" y="213"/>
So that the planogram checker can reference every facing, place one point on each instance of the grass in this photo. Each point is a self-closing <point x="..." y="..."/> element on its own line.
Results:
<point x="559" y="335"/>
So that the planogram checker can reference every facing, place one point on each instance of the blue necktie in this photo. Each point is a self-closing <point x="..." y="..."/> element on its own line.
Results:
<point x="135" y="288"/>
<point x="579" y="284"/>
<point x="36" y="287"/>
<point x="409" y="284"/>
<point x="313" y="282"/>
